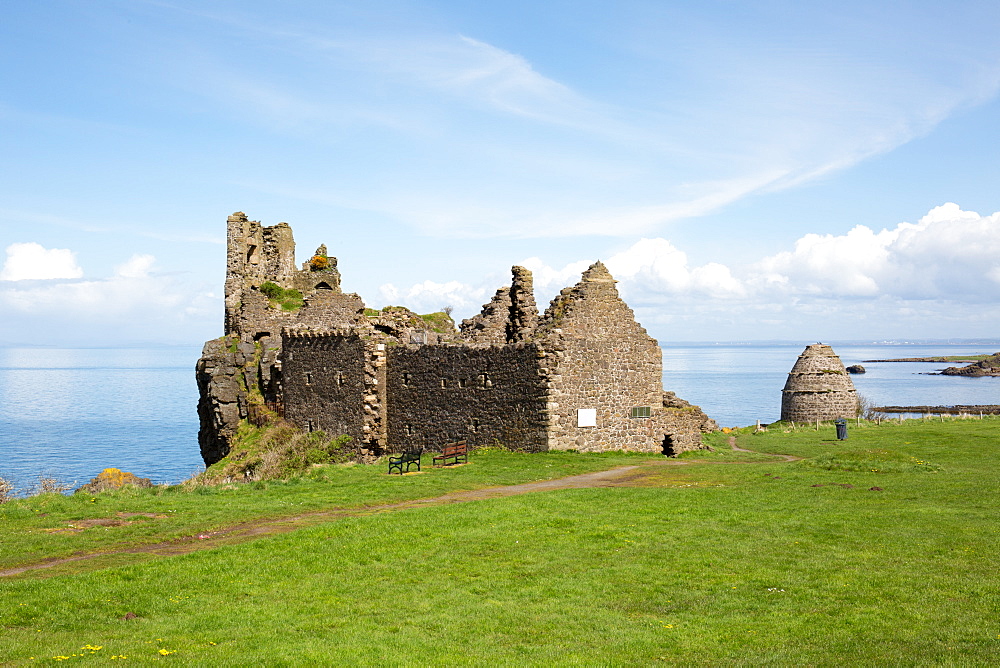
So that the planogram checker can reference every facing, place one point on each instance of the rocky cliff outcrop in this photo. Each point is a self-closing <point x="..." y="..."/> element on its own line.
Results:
<point x="987" y="367"/>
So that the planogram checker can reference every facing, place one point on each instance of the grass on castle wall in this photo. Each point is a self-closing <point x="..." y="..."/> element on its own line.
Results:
<point x="718" y="563"/>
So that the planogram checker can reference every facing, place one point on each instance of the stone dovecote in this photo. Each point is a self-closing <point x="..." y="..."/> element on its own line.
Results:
<point x="584" y="376"/>
<point x="818" y="388"/>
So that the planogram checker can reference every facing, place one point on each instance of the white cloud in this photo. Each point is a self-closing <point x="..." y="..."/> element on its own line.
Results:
<point x="949" y="254"/>
<point x="430" y="297"/>
<point x="848" y="265"/>
<point x="32" y="261"/>
<point x="130" y="306"/>
<point x="137" y="266"/>
<point x="548" y="280"/>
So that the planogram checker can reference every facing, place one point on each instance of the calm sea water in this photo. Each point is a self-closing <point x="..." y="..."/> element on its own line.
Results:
<point x="71" y="413"/>
<point x="737" y="385"/>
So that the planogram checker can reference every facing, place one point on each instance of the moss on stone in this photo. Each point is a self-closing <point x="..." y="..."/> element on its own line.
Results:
<point x="287" y="299"/>
<point x="439" y="322"/>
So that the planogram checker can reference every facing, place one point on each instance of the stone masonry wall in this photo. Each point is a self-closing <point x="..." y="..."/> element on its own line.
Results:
<point x="490" y="325"/>
<point x="323" y="310"/>
<point x="679" y="425"/>
<point x="523" y="318"/>
<point x="598" y="357"/>
<point x="489" y="395"/>
<point x="335" y="381"/>
<point x="254" y="254"/>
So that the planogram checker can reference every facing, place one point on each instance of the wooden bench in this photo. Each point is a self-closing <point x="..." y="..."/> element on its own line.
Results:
<point x="409" y="456"/>
<point x="456" y="451"/>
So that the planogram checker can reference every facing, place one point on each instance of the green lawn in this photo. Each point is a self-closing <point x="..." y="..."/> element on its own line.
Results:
<point x="739" y="560"/>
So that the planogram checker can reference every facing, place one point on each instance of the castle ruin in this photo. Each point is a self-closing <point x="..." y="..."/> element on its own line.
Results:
<point x="584" y="375"/>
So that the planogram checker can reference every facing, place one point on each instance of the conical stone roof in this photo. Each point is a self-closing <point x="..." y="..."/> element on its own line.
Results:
<point x="818" y="388"/>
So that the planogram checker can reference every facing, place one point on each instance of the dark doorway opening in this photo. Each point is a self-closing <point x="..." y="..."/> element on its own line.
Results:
<point x="668" y="446"/>
<point x="324" y="286"/>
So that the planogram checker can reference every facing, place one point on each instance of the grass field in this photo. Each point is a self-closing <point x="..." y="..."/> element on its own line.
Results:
<point x="880" y="550"/>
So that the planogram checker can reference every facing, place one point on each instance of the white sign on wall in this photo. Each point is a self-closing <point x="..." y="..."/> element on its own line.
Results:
<point x="586" y="417"/>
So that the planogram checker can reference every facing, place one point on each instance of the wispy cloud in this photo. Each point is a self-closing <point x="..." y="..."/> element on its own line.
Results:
<point x="701" y="121"/>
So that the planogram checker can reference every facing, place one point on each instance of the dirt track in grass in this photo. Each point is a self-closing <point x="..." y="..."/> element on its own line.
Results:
<point x="649" y="474"/>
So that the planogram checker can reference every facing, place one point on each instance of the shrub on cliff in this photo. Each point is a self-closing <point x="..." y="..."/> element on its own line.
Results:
<point x="276" y="451"/>
<point x="113" y="478"/>
<point x="319" y="263"/>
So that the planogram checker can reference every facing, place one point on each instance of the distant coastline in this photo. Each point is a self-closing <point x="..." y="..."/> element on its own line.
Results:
<point x="940" y="410"/>
<point x="977" y="365"/>
<point x="940" y="358"/>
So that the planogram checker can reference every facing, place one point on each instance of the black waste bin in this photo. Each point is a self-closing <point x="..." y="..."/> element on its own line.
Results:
<point x="841" y="429"/>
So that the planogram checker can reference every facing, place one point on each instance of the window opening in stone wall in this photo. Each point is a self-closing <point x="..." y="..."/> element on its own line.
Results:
<point x="407" y="378"/>
<point x="260" y="335"/>
<point x="310" y="425"/>
<point x="474" y="425"/>
<point x="463" y="382"/>
<point x="484" y="380"/>
<point x="309" y="378"/>
<point x="641" y="412"/>
<point x="444" y="382"/>
<point x="408" y="429"/>
<point x="252" y="254"/>
<point x="340" y="378"/>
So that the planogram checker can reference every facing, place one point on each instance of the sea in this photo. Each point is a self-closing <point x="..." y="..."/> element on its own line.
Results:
<point x="69" y="413"/>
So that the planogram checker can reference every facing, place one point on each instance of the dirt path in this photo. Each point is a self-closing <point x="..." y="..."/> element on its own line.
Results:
<point x="624" y="476"/>
<point x="787" y="458"/>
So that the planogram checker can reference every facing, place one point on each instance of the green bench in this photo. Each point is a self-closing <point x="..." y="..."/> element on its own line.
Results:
<point x="409" y="456"/>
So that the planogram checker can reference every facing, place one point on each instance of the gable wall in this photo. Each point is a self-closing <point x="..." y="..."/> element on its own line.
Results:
<point x="601" y="358"/>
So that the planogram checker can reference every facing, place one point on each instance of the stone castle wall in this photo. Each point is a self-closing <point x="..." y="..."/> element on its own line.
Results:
<point x="336" y="382"/>
<point x="600" y="358"/>
<point x="487" y="395"/>
<point x="489" y="327"/>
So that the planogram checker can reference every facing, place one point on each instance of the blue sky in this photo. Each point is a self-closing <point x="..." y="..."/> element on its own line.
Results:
<point x="768" y="170"/>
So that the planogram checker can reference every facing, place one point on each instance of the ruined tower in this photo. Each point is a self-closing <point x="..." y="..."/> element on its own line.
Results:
<point x="818" y="388"/>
